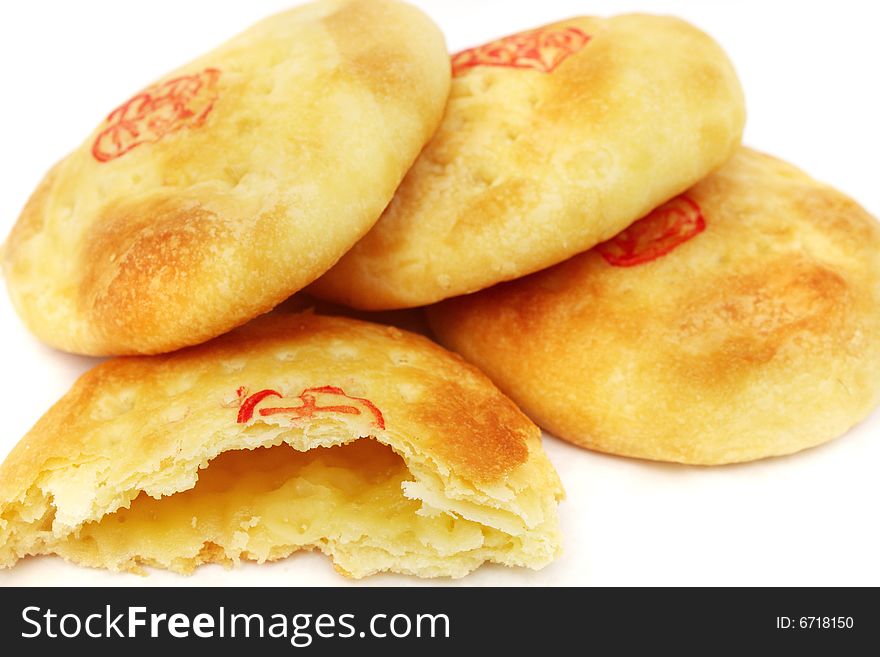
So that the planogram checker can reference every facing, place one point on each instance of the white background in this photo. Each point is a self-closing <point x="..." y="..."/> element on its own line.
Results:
<point x="810" y="73"/>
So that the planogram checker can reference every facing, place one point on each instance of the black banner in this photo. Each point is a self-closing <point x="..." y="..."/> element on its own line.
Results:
<point x="431" y="620"/>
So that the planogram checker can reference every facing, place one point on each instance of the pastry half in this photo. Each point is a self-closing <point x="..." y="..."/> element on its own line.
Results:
<point x="738" y="321"/>
<point x="295" y="432"/>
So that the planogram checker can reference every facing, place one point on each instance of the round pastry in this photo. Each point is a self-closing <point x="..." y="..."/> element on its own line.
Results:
<point x="553" y="141"/>
<point x="738" y="321"/>
<point x="215" y="193"/>
<point x="296" y="431"/>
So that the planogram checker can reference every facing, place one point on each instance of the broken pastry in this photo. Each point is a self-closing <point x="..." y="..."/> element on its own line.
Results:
<point x="295" y="432"/>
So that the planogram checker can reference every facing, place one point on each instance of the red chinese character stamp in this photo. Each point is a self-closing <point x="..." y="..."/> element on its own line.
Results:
<point x="335" y="399"/>
<point x="183" y="102"/>
<point x="655" y="235"/>
<point x="540" y="50"/>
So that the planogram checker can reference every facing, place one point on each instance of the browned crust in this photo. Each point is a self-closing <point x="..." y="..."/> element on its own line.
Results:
<point x="448" y="409"/>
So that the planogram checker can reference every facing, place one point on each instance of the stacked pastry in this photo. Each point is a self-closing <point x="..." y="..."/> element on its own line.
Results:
<point x="574" y="203"/>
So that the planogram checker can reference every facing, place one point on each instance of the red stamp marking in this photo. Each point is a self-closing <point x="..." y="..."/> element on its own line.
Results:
<point x="655" y="235"/>
<point x="183" y="102"/>
<point x="309" y="406"/>
<point x="540" y="50"/>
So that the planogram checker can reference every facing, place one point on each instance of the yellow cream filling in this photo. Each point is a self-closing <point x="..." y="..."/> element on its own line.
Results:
<point x="265" y="503"/>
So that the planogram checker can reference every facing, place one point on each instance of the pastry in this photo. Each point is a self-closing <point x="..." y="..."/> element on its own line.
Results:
<point x="294" y="432"/>
<point x="738" y="321"/>
<point x="553" y="140"/>
<point x="229" y="184"/>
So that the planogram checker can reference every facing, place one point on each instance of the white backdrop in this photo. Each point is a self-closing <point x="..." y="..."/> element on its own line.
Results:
<point x="810" y="72"/>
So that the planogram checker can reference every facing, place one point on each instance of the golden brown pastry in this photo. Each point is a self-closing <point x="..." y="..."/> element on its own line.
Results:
<point x="738" y="321"/>
<point x="215" y="193"/>
<point x="296" y="431"/>
<point x="553" y="141"/>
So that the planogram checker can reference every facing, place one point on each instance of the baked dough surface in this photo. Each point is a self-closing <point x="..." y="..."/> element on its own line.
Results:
<point x="231" y="183"/>
<point x="552" y="142"/>
<point x="296" y="431"/>
<point x="755" y="335"/>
